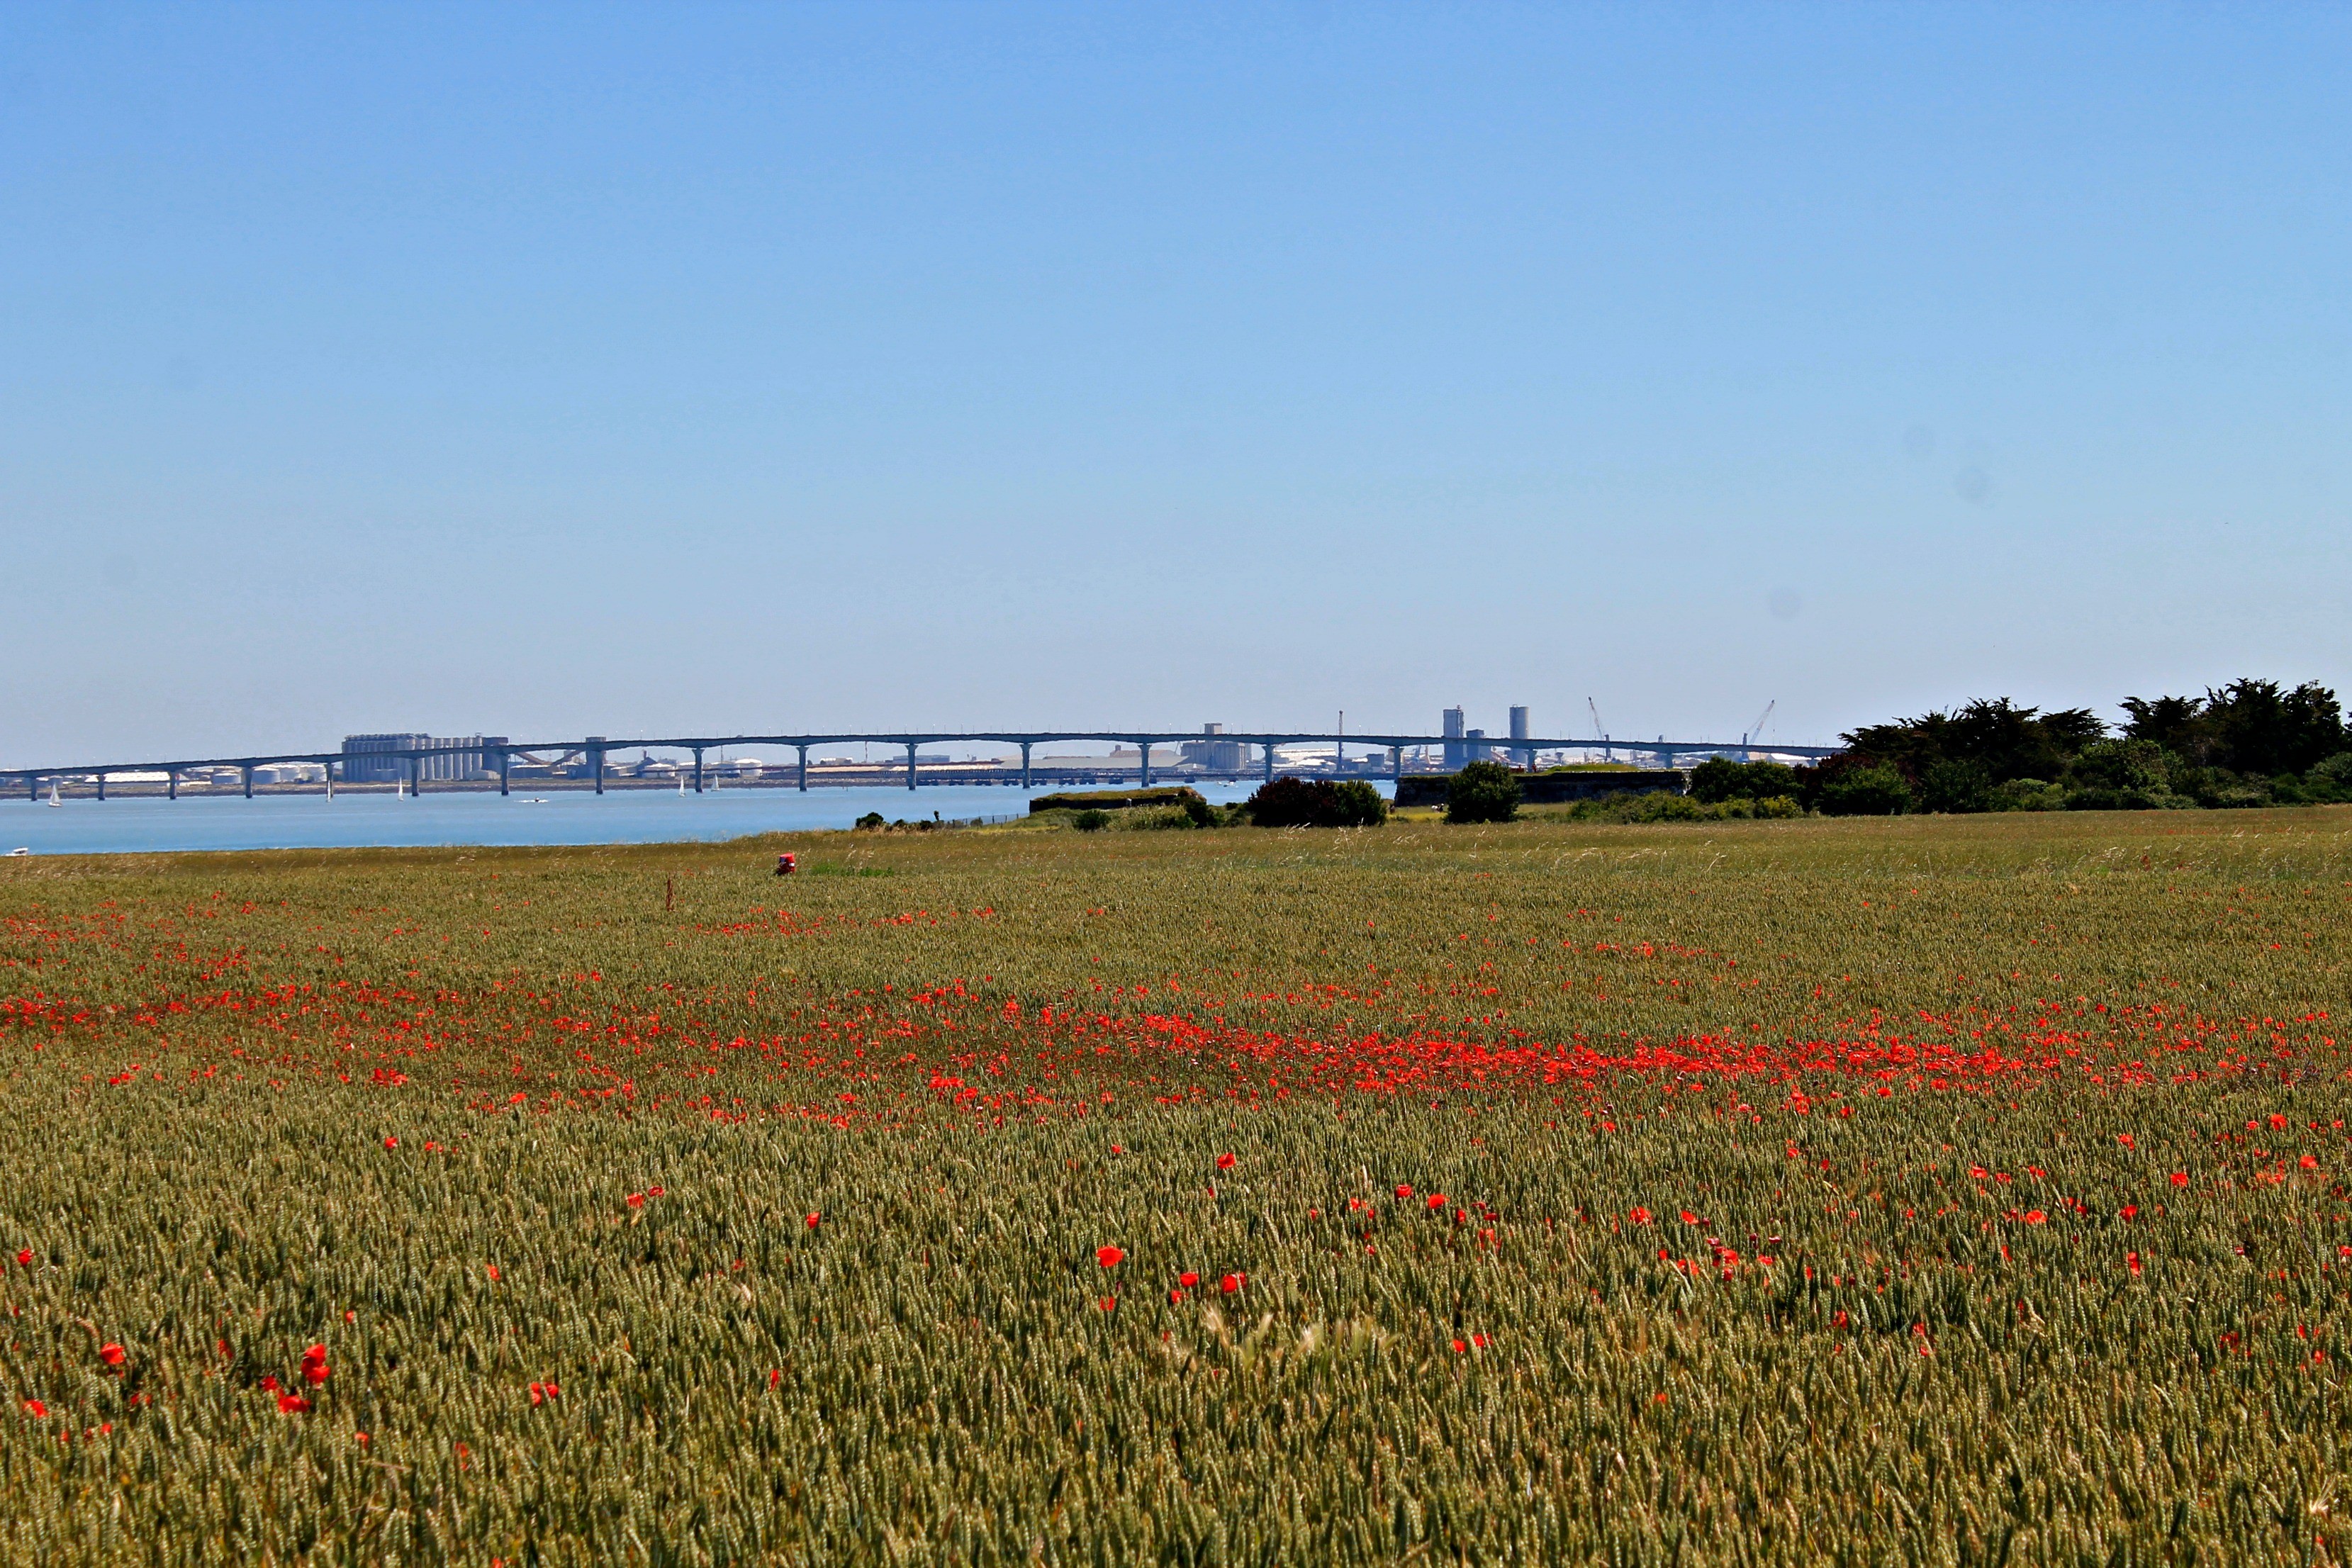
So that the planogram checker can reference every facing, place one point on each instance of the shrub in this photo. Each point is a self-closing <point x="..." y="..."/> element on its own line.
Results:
<point x="1115" y="799"/>
<point x="1866" y="792"/>
<point x="1317" y="803"/>
<point x="2330" y="780"/>
<point x="1720" y="779"/>
<point x="1950" y="786"/>
<point x="2027" y="795"/>
<point x="1091" y="821"/>
<point x="1483" y="792"/>
<point x="871" y="822"/>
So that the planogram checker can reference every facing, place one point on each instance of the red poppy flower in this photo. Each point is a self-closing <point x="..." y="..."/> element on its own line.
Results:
<point x="269" y="1382"/>
<point x="1174" y="1297"/>
<point x="653" y="1192"/>
<point x="492" y="1270"/>
<point x="111" y="1353"/>
<point x="1224" y="1162"/>
<point x="2035" y="1216"/>
<point x="814" y="1220"/>
<point x="24" y="1259"/>
<point x="1436" y="1202"/>
<point x="1232" y="1282"/>
<point x="1640" y="1216"/>
<point x="1478" y="1340"/>
<point x="1459" y="1347"/>
<point x="1838" y="1319"/>
<point x="1690" y="1218"/>
<point x="1110" y="1257"/>
<point x="2124" y="1139"/>
<point x="392" y="1142"/>
<point x="1404" y="1190"/>
<point x="2132" y="1260"/>
<point x="637" y="1200"/>
<point x="2180" y="1178"/>
<point x="1108" y="1303"/>
<point x="1187" y="1278"/>
<point x="775" y="1377"/>
<point x="2309" y="1162"/>
<point x="291" y="1404"/>
<point x="2129" y="1211"/>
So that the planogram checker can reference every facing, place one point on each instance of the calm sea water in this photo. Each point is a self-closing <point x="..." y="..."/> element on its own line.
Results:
<point x="620" y="817"/>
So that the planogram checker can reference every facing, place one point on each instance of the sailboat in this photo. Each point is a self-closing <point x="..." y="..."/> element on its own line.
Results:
<point x="53" y="799"/>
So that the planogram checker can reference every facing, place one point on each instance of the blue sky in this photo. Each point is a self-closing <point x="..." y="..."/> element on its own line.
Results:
<point x="549" y="371"/>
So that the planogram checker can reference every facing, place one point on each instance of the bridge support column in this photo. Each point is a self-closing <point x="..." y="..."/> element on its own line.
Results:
<point x="1024" y="764"/>
<point x="698" y="770"/>
<point x="415" y="777"/>
<point x="101" y="786"/>
<point x="1143" y="762"/>
<point x="596" y="763"/>
<point x="172" y="783"/>
<point x="248" y="780"/>
<point x="1269" y="761"/>
<point x="910" y="764"/>
<point x="1396" y="764"/>
<point x="32" y="786"/>
<point x="803" y="765"/>
<point x="331" y="780"/>
<point x="506" y="762"/>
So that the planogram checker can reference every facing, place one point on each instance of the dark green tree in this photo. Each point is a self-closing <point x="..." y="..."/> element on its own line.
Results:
<point x="2258" y="728"/>
<point x="2176" y="723"/>
<point x="1483" y="792"/>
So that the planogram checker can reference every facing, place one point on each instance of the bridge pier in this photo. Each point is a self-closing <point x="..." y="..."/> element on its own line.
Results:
<point x="33" y="786"/>
<point x="172" y="783"/>
<point x="1024" y="764"/>
<point x="101" y="786"/>
<point x="505" y="762"/>
<point x="1143" y="767"/>
<point x="415" y="777"/>
<point x="248" y="780"/>
<point x="698" y="770"/>
<point x="596" y="763"/>
<point x="1269" y="761"/>
<point x="1396" y="764"/>
<point x="910" y="764"/>
<point x="804" y="767"/>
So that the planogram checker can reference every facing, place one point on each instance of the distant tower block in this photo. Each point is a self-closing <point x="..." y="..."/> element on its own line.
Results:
<point x="1519" y="731"/>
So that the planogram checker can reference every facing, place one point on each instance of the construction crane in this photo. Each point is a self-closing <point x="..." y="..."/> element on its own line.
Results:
<point x="1756" y="730"/>
<point x="1607" y="754"/>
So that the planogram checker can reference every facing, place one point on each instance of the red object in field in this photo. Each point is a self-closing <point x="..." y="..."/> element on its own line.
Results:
<point x="786" y="864"/>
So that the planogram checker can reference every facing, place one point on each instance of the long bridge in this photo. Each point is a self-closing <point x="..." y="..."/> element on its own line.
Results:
<point x="593" y="752"/>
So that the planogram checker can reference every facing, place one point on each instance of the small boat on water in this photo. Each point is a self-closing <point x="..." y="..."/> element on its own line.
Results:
<point x="53" y="799"/>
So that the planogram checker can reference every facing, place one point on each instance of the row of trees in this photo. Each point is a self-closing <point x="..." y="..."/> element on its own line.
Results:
<point x="2251" y="743"/>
